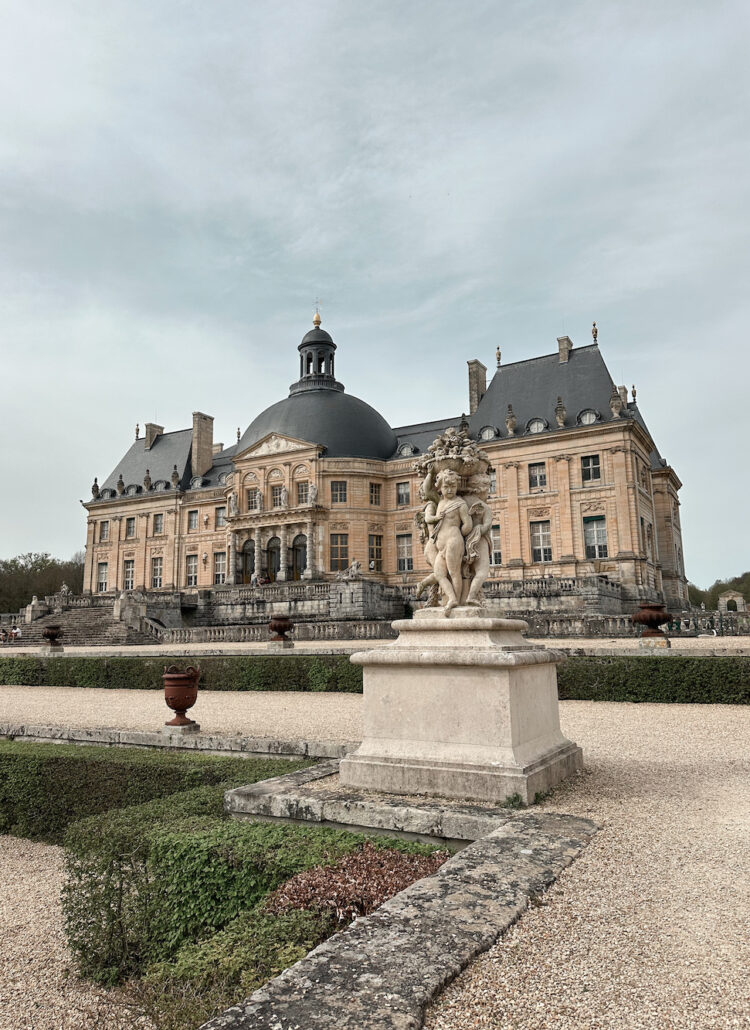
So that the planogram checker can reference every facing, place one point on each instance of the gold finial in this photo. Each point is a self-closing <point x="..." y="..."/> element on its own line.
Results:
<point x="316" y="318"/>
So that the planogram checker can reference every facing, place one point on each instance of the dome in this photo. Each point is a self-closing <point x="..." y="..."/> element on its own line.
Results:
<point x="316" y="335"/>
<point x="344" y="425"/>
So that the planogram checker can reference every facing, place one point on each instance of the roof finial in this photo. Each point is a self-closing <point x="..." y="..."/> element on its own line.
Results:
<point x="137" y="430"/>
<point x="634" y="393"/>
<point x="497" y="357"/>
<point x="238" y="434"/>
<point x="594" y="331"/>
<point x="316" y="316"/>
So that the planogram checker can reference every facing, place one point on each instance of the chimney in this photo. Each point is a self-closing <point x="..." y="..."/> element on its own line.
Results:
<point x="623" y="392"/>
<point x="153" y="432"/>
<point x="218" y="447"/>
<point x="203" y="441"/>
<point x="565" y="345"/>
<point x="477" y="383"/>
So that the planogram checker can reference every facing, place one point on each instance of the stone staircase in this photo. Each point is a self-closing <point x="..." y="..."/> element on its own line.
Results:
<point x="85" y="627"/>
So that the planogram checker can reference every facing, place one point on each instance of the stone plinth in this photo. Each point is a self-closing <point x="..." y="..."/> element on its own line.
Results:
<point x="460" y="706"/>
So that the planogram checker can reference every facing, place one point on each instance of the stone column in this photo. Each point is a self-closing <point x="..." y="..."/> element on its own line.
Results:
<point x="283" y="571"/>
<point x="310" y="553"/>
<point x="566" y="515"/>
<point x="513" y="514"/>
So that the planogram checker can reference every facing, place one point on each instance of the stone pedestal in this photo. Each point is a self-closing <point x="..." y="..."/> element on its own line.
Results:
<point x="460" y="706"/>
<point x="181" y="731"/>
<point x="279" y="645"/>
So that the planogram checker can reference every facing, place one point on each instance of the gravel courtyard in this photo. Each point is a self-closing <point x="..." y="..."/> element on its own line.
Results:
<point x="647" y="930"/>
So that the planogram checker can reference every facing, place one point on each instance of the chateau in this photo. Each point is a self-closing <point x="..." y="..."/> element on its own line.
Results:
<point x="319" y="487"/>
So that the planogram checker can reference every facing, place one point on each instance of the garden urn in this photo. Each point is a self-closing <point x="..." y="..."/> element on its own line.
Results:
<point x="180" y="692"/>
<point x="280" y="625"/>
<point x="52" y="635"/>
<point x="650" y="616"/>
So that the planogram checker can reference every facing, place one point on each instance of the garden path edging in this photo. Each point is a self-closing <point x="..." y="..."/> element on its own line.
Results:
<point x="382" y="971"/>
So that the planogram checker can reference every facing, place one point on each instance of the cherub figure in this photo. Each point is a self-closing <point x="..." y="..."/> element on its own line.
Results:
<point x="478" y="542"/>
<point x="428" y="493"/>
<point x="449" y="525"/>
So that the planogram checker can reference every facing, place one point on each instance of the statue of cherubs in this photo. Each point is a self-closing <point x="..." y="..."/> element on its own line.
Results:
<point x="428" y="493"/>
<point x="449" y="525"/>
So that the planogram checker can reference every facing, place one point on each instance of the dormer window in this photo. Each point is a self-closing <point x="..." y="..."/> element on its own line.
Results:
<point x="536" y="425"/>
<point x="487" y="433"/>
<point x="587" y="417"/>
<point x="406" y="450"/>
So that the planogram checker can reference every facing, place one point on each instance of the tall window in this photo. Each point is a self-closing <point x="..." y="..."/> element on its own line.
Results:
<point x="496" y="554"/>
<point x="493" y="480"/>
<point x="192" y="521"/>
<point x="221" y="517"/>
<point x="537" y="475"/>
<point x="103" y="531"/>
<point x="374" y="493"/>
<point x="158" y="525"/>
<point x="303" y="493"/>
<point x="590" y="468"/>
<point x="101" y="577"/>
<point x="191" y="570"/>
<point x="541" y="541"/>
<point x="130" y="527"/>
<point x="339" y="551"/>
<point x="276" y="496"/>
<point x="338" y="491"/>
<point x="375" y="553"/>
<point x="220" y="567"/>
<point x="403" y="493"/>
<point x="253" y="499"/>
<point x="157" y="569"/>
<point x="128" y="574"/>
<point x="595" y="536"/>
<point x="404" y="560"/>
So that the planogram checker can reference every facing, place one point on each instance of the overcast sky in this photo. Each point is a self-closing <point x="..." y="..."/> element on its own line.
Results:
<point x="181" y="180"/>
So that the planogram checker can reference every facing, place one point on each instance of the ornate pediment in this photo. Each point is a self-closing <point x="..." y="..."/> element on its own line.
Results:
<point x="274" y="443"/>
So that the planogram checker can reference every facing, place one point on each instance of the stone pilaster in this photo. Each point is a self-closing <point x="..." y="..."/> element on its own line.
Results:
<point x="566" y="516"/>
<point x="283" y="570"/>
<point x="513" y="516"/>
<point x="309" y="571"/>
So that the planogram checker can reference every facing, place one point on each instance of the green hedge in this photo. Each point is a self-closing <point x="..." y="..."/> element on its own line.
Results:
<point x="206" y="978"/>
<point x="45" y="787"/>
<point x="672" y="679"/>
<point x="233" y="672"/>
<point x="144" y="881"/>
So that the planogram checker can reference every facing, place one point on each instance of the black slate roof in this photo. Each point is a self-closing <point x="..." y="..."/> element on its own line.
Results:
<point x="168" y="450"/>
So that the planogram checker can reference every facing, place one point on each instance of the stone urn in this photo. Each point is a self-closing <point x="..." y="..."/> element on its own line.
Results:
<point x="52" y="635"/>
<point x="180" y="692"/>
<point x="650" y="616"/>
<point x="280" y="625"/>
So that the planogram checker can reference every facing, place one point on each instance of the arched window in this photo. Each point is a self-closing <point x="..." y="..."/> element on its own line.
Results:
<point x="536" y="425"/>
<point x="487" y="433"/>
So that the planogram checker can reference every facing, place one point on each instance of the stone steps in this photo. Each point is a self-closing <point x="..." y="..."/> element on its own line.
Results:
<point x="85" y="627"/>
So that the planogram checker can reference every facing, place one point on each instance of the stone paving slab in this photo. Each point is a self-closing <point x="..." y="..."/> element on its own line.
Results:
<point x="203" y="742"/>
<point x="381" y="972"/>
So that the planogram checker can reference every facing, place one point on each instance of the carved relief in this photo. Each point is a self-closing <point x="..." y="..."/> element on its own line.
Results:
<point x="274" y="444"/>
<point x="538" y="513"/>
<point x="403" y="527"/>
<point x="301" y="470"/>
<point x="511" y="464"/>
<point x="375" y="527"/>
<point x="275" y="474"/>
<point x="593" y="506"/>
<point x="339" y="525"/>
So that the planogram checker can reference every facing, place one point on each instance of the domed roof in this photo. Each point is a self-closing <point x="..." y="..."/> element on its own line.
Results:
<point x="316" y="335"/>
<point x="318" y="410"/>
<point x="344" y="425"/>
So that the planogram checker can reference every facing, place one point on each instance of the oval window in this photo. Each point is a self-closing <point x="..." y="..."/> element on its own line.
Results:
<point x="536" y="425"/>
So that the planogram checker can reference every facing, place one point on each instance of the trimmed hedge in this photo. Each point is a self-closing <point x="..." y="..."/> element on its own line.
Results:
<point x="700" y="679"/>
<point x="206" y="978"/>
<point x="669" y="679"/>
<point x="45" y="787"/>
<point x="144" y="881"/>
<point x="231" y="672"/>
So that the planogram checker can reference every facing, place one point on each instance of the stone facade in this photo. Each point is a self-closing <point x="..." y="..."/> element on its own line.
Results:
<point x="574" y="502"/>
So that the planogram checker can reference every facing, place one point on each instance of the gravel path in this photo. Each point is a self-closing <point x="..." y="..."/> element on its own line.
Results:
<point x="38" y="989"/>
<point x="248" y="713"/>
<point x="650" y="927"/>
<point x="647" y="930"/>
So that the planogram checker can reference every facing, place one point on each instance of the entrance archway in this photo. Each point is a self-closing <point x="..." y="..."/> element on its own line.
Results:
<point x="248" y="560"/>
<point x="299" y="556"/>
<point x="273" y="558"/>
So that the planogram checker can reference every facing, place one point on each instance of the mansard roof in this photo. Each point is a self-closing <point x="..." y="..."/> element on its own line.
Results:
<point x="167" y="450"/>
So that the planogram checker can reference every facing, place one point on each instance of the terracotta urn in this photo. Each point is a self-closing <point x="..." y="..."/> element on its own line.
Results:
<point x="180" y="692"/>
<point x="280" y="625"/>
<point x="52" y="634"/>
<point x="650" y="616"/>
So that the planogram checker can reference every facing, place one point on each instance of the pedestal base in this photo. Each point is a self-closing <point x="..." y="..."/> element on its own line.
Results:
<point x="279" y="645"/>
<point x="52" y="649"/>
<point x="461" y="706"/>
<point x="180" y="731"/>
<point x="654" y="643"/>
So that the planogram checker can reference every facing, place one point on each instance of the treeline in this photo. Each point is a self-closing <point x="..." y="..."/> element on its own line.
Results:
<point x="710" y="597"/>
<point x="28" y="574"/>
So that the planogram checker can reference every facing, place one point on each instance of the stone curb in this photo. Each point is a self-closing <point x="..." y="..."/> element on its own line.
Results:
<point x="382" y="971"/>
<point x="205" y="742"/>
